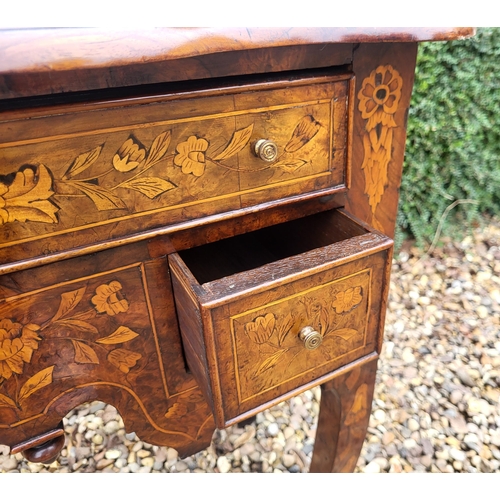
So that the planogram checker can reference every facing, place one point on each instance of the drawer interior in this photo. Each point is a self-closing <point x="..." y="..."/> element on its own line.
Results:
<point x="214" y="261"/>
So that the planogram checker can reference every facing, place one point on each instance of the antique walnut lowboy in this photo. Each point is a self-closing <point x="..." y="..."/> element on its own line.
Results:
<point x="196" y="224"/>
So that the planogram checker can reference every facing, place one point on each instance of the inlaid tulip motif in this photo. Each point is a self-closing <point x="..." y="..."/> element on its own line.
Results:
<point x="34" y="195"/>
<point x="279" y="332"/>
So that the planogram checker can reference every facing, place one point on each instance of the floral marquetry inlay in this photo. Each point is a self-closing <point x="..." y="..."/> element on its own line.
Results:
<point x="116" y="171"/>
<point x="18" y="341"/>
<point x="35" y="194"/>
<point x="378" y="102"/>
<point x="267" y="342"/>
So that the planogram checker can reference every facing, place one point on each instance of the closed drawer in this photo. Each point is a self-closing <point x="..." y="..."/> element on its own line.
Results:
<point x="97" y="327"/>
<point x="83" y="174"/>
<point x="247" y="307"/>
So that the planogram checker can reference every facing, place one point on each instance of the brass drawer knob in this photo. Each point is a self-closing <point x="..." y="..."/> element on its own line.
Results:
<point x="266" y="150"/>
<point x="311" y="338"/>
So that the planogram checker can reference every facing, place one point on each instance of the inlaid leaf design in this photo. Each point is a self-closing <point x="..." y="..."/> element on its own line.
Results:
<point x="102" y="198"/>
<point x="158" y="149"/>
<point x="149" y="186"/>
<point x="84" y="354"/>
<point x="79" y="325"/>
<point x="82" y="162"/>
<point x="305" y="130"/>
<point x="5" y="401"/>
<point x="123" y="359"/>
<point x="270" y="361"/>
<point x="69" y="301"/>
<point x="284" y="328"/>
<point x="237" y="143"/>
<point x="177" y="410"/>
<point x="289" y="166"/>
<point x="345" y="333"/>
<point x="27" y="198"/>
<point x="120" y="335"/>
<point x="36" y="382"/>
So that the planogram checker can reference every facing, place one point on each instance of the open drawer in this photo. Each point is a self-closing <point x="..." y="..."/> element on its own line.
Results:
<point x="267" y="314"/>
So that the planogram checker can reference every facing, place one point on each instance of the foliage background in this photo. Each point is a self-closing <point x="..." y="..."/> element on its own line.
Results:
<point x="453" y="146"/>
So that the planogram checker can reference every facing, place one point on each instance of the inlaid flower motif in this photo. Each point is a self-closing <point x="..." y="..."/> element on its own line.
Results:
<point x="261" y="328"/>
<point x="27" y="197"/>
<point x="347" y="300"/>
<point x="380" y="94"/>
<point x="191" y="156"/>
<point x="129" y="156"/>
<point x="123" y="359"/>
<point x="17" y="343"/>
<point x="108" y="299"/>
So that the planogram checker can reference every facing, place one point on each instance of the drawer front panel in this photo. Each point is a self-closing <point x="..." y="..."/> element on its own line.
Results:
<point x="113" y="171"/>
<point x="259" y="351"/>
<point x="267" y="348"/>
<point x="110" y="335"/>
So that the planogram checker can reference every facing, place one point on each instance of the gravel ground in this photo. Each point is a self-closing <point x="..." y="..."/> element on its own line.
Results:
<point x="437" y="398"/>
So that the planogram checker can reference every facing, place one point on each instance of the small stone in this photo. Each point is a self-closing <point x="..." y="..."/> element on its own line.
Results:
<point x="223" y="464"/>
<point x="465" y="378"/>
<point x="379" y="416"/>
<point x="456" y="454"/>
<point x="9" y="464"/>
<point x="408" y="356"/>
<point x="111" y="427"/>
<point x="458" y="424"/>
<point x="372" y="467"/>
<point x="413" y="425"/>
<point x="288" y="460"/>
<point x="388" y="438"/>
<point x="148" y="462"/>
<point x="455" y="396"/>
<point x="97" y="439"/>
<point x="181" y="466"/>
<point x="273" y="429"/>
<point x="112" y="454"/>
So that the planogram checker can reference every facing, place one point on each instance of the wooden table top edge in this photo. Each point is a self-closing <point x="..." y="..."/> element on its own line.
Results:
<point x="63" y="49"/>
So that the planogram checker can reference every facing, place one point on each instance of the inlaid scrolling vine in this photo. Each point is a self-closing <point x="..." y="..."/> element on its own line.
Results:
<point x="320" y="313"/>
<point x="34" y="195"/>
<point x="18" y="341"/>
<point x="378" y="102"/>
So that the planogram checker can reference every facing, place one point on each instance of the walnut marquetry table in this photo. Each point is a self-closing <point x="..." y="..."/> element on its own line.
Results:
<point x="196" y="224"/>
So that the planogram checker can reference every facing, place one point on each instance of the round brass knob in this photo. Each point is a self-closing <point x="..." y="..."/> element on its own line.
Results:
<point x="266" y="150"/>
<point x="311" y="338"/>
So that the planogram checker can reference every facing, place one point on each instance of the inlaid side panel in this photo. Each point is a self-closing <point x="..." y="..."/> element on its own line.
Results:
<point x="110" y="335"/>
<point x="108" y="172"/>
<point x="384" y="81"/>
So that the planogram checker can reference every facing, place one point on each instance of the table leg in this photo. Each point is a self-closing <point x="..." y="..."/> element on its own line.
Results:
<point x="345" y="409"/>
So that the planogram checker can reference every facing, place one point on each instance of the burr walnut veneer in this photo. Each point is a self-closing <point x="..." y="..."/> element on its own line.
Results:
<point x="196" y="224"/>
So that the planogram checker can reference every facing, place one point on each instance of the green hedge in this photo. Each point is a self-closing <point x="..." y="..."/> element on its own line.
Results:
<point x="453" y="147"/>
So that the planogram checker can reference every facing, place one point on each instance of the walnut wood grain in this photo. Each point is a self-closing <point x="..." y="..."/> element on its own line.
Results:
<point x="86" y="302"/>
<point x="346" y="403"/>
<point x="46" y="61"/>
<point x="163" y="161"/>
<point x="377" y="169"/>
<point x="241" y="312"/>
<point x="101" y="327"/>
